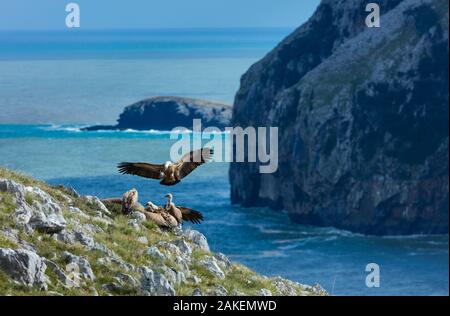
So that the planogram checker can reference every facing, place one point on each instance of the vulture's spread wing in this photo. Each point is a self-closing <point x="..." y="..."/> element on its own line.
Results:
<point x="142" y="169"/>
<point x="192" y="160"/>
<point x="112" y="200"/>
<point x="191" y="215"/>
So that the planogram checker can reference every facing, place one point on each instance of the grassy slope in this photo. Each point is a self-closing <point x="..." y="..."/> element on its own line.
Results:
<point x="120" y="238"/>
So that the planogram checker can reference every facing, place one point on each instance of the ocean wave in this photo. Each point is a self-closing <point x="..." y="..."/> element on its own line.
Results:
<point x="437" y="243"/>
<point x="427" y="252"/>
<point x="264" y="229"/>
<point x="259" y="255"/>
<point x="150" y="131"/>
<point x="271" y="254"/>
<point x="338" y="232"/>
<point x="416" y="236"/>
<point x="63" y="128"/>
<point x="288" y="244"/>
<point x="80" y="128"/>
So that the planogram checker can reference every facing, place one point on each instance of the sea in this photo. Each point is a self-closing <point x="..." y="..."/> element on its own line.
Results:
<point x="54" y="83"/>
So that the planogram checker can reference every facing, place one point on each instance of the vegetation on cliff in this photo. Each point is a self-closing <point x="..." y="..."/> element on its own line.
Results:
<point x="56" y="242"/>
<point x="363" y="120"/>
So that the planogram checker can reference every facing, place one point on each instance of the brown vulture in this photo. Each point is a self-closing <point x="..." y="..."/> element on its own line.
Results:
<point x="182" y="213"/>
<point x="169" y="173"/>
<point x="169" y="216"/>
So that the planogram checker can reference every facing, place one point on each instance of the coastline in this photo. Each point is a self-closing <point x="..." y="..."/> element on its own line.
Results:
<point x="54" y="227"/>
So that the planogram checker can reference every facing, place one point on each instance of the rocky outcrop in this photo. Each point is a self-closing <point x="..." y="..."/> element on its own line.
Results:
<point x="197" y="238"/>
<point x="82" y="264"/>
<point x="166" y="113"/>
<point x="24" y="266"/>
<point x="35" y="208"/>
<point x="154" y="283"/>
<point x="211" y="265"/>
<point x="362" y="116"/>
<point x="97" y="252"/>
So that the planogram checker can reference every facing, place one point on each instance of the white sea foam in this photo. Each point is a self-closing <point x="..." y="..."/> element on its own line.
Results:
<point x="79" y="128"/>
<point x="55" y="127"/>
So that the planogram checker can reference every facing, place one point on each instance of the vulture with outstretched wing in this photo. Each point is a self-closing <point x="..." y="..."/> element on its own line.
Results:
<point x="182" y="213"/>
<point x="191" y="215"/>
<point x="169" y="173"/>
<point x="160" y="216"/>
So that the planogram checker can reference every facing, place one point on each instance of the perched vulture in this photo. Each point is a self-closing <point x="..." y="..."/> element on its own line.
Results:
<point x="182" y="213"/>
<point x="169" y="173"/>
<point x="160" y="216"/>
<point x="169" y="216"/>
<point x="128" y="200"/>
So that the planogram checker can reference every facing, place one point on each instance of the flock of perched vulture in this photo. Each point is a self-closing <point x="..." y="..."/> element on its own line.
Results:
<point x="169" y="173"/>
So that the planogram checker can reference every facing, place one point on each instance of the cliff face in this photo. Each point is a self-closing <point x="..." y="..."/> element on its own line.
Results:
<point x="166" y="113"/>
<point x="362" y="116"/>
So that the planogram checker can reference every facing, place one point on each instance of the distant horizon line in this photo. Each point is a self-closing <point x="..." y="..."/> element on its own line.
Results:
<point x="150" y="29"/>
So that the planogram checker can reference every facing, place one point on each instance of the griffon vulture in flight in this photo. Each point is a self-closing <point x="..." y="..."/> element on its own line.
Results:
<point x="169" y="173"/>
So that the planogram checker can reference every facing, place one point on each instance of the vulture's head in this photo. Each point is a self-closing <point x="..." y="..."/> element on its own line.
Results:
<point x="169" y="197"/>
<point x="129" y="198"/>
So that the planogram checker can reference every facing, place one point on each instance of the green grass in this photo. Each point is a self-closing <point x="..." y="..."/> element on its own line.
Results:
<point x="113" y="208"/>
<point x="7" y="208"/>
<point x="29" y="198"/>
<point x="118" y="237"/>
<point x="30" y="181"/>
<point x="6" y="243"/>
<point x="7" y="205"/>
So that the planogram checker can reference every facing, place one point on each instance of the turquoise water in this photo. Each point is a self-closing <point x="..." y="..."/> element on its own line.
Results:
<point x="260" y="238"/>
<point x="89" y="77"/>
<point x="61" y="78"/>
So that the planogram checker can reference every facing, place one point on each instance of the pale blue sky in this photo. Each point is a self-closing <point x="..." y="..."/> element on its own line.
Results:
<point x="141" y="14"/>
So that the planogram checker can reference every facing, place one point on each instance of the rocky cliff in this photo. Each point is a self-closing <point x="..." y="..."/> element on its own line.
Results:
<point x="166" y="113"/>
<point x="56" y="242"/>
<point x="362" y="116"/>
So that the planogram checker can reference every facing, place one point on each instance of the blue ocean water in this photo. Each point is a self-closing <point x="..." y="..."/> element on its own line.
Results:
<point x="139" y="44"/>
<point x="90" y="76"/>
<point x="64" y="79"/>
<point x="263" y="239"/>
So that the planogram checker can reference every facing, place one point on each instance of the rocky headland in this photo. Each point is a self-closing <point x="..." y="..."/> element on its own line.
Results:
<point x="55" y="242"/>
<point x="362" y="116"/>
<point x="166" y="113"/>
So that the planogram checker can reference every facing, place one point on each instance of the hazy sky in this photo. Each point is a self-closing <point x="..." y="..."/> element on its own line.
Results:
<point x="108" y="14"/>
